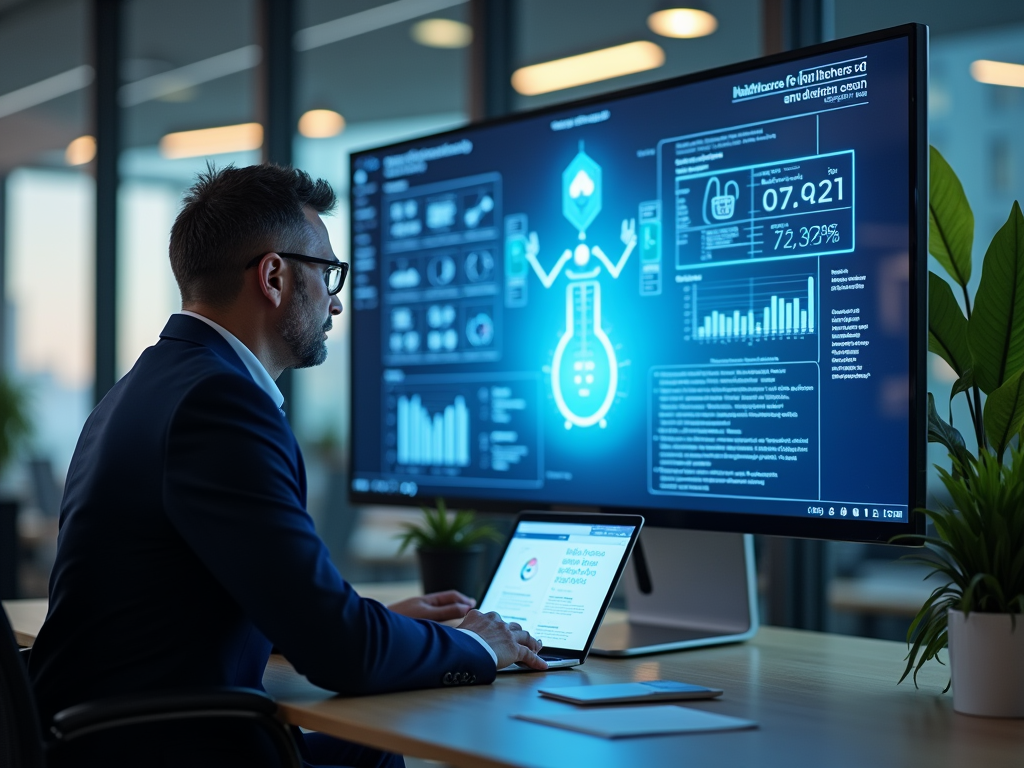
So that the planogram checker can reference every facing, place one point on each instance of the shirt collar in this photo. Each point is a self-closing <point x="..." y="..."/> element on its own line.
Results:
<point x="253" y="365"/>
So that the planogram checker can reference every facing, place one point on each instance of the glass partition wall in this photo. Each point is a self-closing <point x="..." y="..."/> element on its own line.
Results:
<point x="187" y="66"/>
<point x="47" y="219"/>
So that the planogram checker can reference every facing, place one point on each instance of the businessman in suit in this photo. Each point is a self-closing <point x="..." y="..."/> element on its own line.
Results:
<point x="185" y="551"/>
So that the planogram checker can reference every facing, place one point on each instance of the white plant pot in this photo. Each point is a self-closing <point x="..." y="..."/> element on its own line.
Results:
<point x="986" y="659"/>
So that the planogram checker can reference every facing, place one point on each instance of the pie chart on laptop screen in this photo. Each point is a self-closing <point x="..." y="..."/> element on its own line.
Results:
<point x="529" y="569"/>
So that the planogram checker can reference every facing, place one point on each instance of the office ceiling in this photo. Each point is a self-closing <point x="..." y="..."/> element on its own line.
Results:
<point x="379" y="75"/>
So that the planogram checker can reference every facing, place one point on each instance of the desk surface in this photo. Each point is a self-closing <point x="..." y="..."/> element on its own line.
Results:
<point x="821" y="700"/>
<point x="26" y="617"/>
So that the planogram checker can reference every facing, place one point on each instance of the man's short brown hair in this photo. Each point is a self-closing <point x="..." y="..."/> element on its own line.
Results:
<point x="233" y="214"/>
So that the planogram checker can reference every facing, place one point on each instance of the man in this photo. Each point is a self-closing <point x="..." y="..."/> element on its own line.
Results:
<point x="185" y="551"/>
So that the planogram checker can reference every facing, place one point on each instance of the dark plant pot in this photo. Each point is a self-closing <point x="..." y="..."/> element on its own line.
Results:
<point x="8" y="550"/>
<point x="443" y="569"/>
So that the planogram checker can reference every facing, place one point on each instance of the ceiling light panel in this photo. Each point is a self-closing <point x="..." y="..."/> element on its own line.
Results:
<point x="80" y="151"/>
<point x="321" y="124"/>
<point x="998" y="73"/>
<point x="682" y="22"/>
<point x="212" y="141"/>
<point x="442" y="33"/>
<point x="586" y="68"/>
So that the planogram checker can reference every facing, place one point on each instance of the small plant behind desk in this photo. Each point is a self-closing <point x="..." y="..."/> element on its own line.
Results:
<point x="449" y="545"/>
<point x="15" y="424"/>
<point x="15" y="428"/>
<point x="978" y="549"/>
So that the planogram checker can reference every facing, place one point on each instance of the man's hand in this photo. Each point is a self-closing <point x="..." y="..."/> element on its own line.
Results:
<point x="437" y="606"/>
<point x="510" y="642"/>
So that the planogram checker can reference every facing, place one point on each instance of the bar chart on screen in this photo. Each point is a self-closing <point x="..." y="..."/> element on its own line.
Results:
<point x="469" y="428"/>
<point x="753" y="309"/>
<point x="435" y="439"/>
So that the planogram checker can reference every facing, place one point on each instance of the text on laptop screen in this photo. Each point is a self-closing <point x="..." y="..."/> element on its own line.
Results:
<point x="554" y="577"/>
<point x="694" y="297"/>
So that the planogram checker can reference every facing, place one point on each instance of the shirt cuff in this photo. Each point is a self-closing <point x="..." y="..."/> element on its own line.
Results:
<point x="482" y="642"/>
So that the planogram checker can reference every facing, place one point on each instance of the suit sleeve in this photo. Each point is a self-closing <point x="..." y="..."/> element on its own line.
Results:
<point x="232" y="490"/>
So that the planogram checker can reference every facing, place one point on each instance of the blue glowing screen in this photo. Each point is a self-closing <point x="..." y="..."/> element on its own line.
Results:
<point x="688" y="298"/>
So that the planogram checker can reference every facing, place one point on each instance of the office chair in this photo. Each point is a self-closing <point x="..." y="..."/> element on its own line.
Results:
<point x="22" y="742"/>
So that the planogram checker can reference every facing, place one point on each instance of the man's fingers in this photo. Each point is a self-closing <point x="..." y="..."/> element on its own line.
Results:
<point x="523" y="638"/>
<point x="447" y="612"/>
<point x="531" y="659"/>
<point x="448" y="597"/>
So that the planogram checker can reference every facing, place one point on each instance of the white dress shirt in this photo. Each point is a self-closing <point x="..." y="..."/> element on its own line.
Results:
<point x="267" y="384"/>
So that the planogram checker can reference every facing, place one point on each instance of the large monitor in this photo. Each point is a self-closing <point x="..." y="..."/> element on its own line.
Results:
<point x="702" y="300"/>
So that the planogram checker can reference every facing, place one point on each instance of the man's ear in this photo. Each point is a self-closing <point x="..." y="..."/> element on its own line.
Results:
<point x="270" y="274"/>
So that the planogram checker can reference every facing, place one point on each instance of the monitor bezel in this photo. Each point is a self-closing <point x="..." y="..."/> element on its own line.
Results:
<point x="916" y="36"/>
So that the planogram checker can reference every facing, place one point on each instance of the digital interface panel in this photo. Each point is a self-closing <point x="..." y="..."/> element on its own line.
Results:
<point x="688" y="298"/>
<point x="554" y="577"/>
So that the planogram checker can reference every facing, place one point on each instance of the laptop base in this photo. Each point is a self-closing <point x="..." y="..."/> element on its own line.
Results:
<point x="552" y="664"/>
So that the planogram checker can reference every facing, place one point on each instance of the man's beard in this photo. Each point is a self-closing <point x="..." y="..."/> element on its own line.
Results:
<point x="302" y="331"/>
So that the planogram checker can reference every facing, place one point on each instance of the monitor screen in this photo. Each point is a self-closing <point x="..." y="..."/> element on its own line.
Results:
<point x="555" y="579"/>
<point x="695" y="299"/>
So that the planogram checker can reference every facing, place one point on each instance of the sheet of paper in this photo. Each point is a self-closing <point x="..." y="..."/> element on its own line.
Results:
<point x="622" y="722"/>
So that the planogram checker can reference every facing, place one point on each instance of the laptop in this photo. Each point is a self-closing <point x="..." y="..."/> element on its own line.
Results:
<point x="556" y="578"/>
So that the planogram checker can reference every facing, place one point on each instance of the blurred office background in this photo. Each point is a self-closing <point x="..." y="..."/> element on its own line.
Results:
<point x="103" y="105"/>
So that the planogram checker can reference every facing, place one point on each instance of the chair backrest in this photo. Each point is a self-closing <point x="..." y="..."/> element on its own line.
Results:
<point x="21" y="741"/>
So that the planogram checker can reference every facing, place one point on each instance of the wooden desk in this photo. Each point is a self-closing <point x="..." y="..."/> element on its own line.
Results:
<point x="26" y="617"/>
<point x="821" y="700"/>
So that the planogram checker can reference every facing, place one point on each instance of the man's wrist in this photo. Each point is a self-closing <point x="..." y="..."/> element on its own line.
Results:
<point x="482" y="642"/>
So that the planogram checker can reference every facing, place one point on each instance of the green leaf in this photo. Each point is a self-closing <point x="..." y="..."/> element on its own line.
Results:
<point x="977" y="554"/>
<point x="444" y="529"/>
<point x="950" y="220"/>
<point x="964" y="383"/>
<point x="941" y="432"/>
<point x="995" y="332"/>
<point x="15" y="423"/>
<point x="1004" y="413"/>
<point x="947" y="326"/>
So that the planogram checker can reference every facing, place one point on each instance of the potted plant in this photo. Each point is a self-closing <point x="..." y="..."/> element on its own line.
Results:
<point x="449" y="546"/>
<point x="978" y="549"/>
<point x="15" y="426"/>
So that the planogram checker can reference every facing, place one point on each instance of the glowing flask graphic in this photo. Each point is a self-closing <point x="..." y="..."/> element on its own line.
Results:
<point x="584" y="371"/>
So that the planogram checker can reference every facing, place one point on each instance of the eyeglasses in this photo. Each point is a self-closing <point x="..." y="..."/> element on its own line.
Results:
<point x="334" y="277"/>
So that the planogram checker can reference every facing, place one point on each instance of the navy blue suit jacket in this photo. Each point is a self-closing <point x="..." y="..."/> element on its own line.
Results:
<point x="185" y="550"/>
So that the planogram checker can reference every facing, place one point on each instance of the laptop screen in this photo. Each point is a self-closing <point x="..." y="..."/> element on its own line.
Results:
<point x="554" y="577"/>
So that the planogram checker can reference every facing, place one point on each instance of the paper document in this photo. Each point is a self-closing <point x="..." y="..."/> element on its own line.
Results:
<point x="622" y="722"/>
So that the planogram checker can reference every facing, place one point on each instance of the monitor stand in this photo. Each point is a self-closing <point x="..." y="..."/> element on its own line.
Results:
<point x="687" y="589"/>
